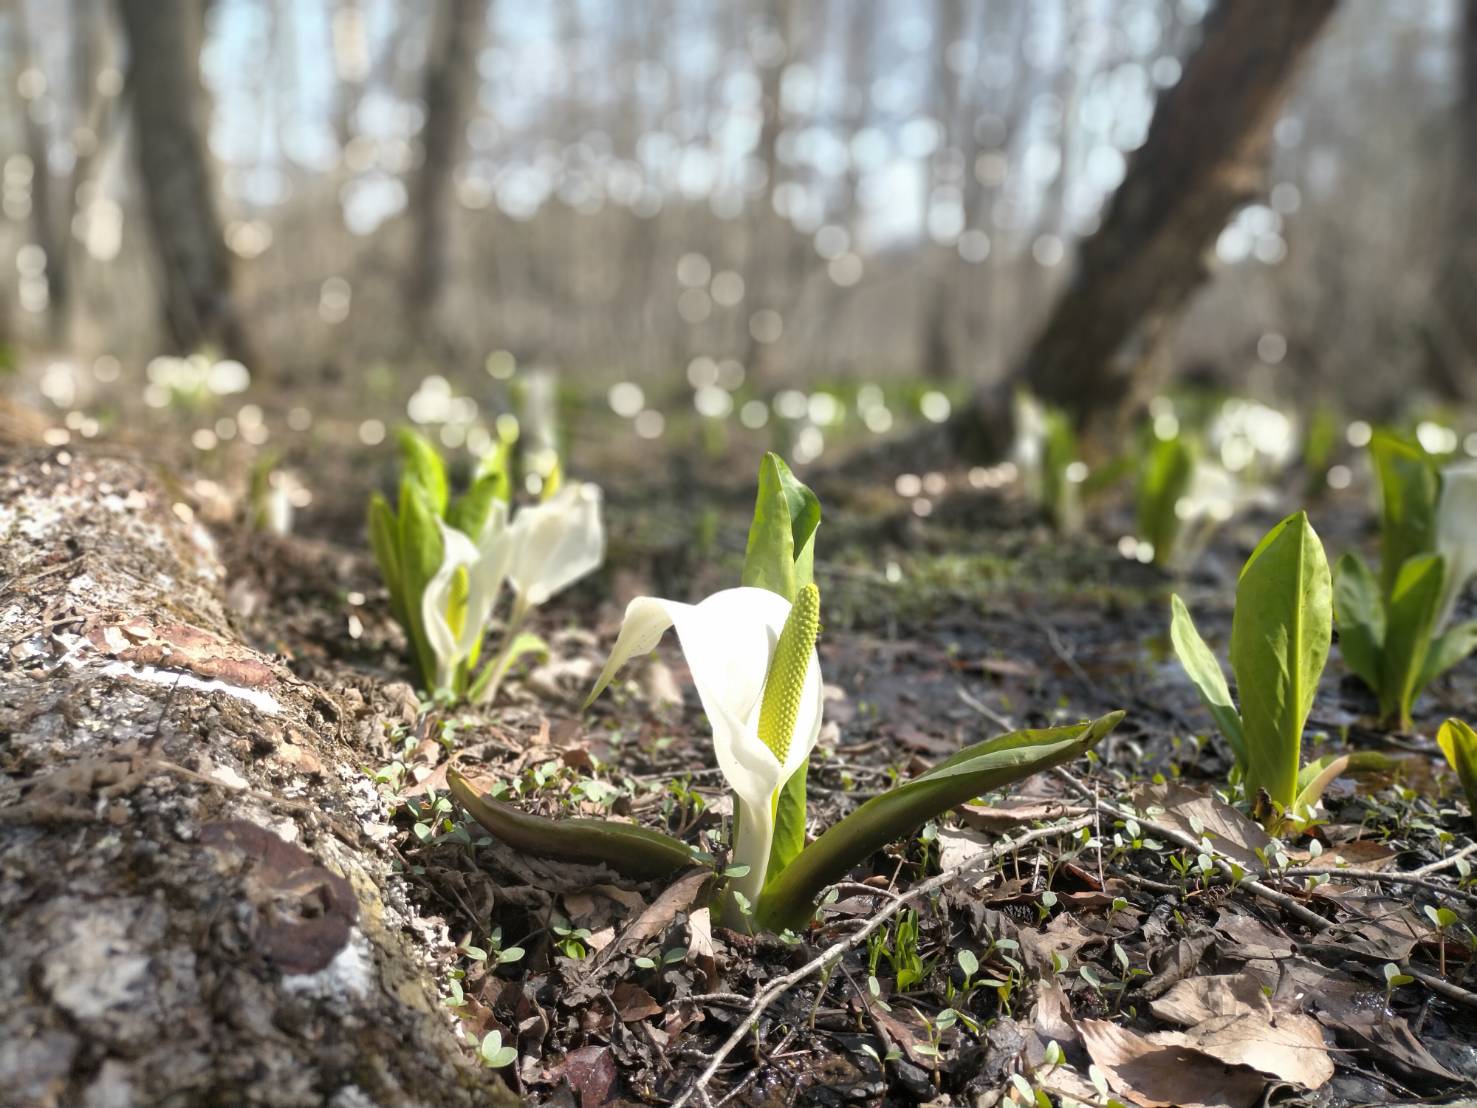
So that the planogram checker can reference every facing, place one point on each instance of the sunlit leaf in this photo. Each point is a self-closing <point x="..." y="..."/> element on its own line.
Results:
<point x="1408" y="490"/>
<point x="1459" y="743"/>
<point x="1410" y="616"/>
<point x="1203" y="669"/>
<point x="1280" y="635"/>
<point x="422" y="464"/>
<point x="781" y="550"/>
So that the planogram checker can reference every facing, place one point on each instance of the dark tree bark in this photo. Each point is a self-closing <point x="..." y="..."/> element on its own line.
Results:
<point x="195" y="906"/>
<point x="450" y="91"/>
<point x="1204" y="157"/>
<point x="195" y="268"/>
<point x="1451" y="332"/>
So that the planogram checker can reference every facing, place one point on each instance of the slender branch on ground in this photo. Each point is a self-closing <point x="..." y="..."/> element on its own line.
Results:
<point x="1287" y="903"/>
<point x="1445" y="863"/>
<point x="777" y="988"/>
<point x="1378" y="877"/>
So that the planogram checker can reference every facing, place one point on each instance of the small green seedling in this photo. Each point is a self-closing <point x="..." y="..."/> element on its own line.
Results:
<point x="1394" y="979"/>
<point x="751" y="651"/>
<point x="1392" y="629"/>
<point x="1280" y="634"/>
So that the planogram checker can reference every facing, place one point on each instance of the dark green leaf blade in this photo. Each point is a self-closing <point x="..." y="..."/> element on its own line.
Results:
<point x="635" y="851"/>
<point x="1360" y="612"/>
<point x="421" y="552"/>
<point x="1408" y="491"/>
<point x="789" y="901"/>
<point x="384" y="541"/>
<point x="789" y="823"/>
<point x="1447" y="650"/>
<point x="1410" y="618"/>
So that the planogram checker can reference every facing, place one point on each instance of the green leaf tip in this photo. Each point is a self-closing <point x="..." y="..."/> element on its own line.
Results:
<point x="786" y="679"/>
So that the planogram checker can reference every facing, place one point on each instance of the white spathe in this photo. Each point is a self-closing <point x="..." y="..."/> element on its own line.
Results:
<point x="1456" y="534"/>
<point x="556" y="543"/>
<point x="729" y="640"/>
<point x="486" y="562"/>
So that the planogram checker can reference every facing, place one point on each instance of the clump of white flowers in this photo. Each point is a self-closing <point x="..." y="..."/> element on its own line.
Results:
<point x="445" y="561"/>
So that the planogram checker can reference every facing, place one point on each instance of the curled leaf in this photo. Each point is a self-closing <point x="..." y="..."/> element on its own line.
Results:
<point x="634" y="851"/>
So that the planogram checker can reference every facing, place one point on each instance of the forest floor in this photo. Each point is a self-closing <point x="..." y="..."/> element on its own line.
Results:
<point x="1071" y="939"/>
<point x="1107" y="930"/>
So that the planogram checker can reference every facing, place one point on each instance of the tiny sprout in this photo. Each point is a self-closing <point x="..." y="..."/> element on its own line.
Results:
<point x="968" y="963"/>
<point x="492" y="1052"/>
<point x="1394" y="979"/>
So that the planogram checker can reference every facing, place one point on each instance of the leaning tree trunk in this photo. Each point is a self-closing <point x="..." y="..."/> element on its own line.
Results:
<point x="1451" y="330"/>
<point x="195" y="907"/>
<point x="195" y="270"/>
<point x="450" y="90"/>
<point x="1204" y="157"/>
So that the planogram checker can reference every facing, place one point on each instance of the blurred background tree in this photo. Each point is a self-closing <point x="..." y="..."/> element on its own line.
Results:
<point x="968" y="191"/>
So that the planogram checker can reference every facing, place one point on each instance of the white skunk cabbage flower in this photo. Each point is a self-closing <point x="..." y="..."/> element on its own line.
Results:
<point x="486" y="562"/>
<point x="732" y="642"/>
<point x="1456" y="534"/>
<point x="556" y="543"/>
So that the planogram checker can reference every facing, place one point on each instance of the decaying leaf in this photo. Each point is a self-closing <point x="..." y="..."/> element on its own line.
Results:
<point x="1167" y="1074"/>
<point x="1202" y="815"/>
<point x="1230" y="1018"/>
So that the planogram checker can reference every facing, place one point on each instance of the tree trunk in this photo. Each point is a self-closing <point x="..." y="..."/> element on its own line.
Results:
<point x="1451" y="332"/>
<point x="1205" y="156"/>
<point x="194" y="904"/>
<point x="195" y="270"/>
<point x="450" y="90"/>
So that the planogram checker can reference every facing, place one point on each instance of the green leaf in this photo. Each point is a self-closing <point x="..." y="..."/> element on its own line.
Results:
<point x="1408" y="490"/>
<point x="422" y="464"/>
<point x="1359" y="609"/>
<point x="634" y="851"/>
<point x="789" y="901"/>
<point x="1411" y="617"/>
<point x="421" y="552"/>
<point x="1279" y="643"/>
<point x="469" y="514"/>
<point x="1447" y="650"/>
<point x="1459" y="743"/>
<point x="781" y="552"/>
<point x="384" y="540"/>
<point x="1165" y="479"/>
<point x="1201" y="667"/>
<point x="789" y="824"/>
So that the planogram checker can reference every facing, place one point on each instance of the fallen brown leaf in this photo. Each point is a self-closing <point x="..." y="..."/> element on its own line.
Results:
<point x="1199" y="814"/>
<point x="1167" y="1075"/>
<point x="1230" y="1018"/>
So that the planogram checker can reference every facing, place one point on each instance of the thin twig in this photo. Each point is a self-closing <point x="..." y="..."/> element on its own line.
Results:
<point x="1378" y="877"/>
<point x="1445" y="863"/>
<point x="1265" y="892"/>
<point x="781" y="985"/>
